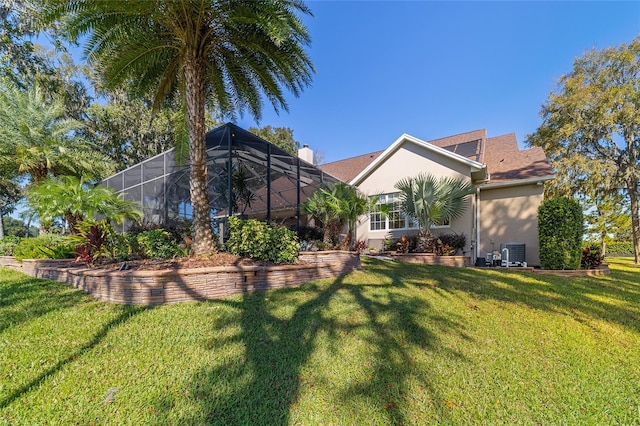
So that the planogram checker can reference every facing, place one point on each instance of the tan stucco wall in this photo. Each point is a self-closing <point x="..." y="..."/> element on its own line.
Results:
<point x="510" y="214"/>
<point x="408" y="161"/>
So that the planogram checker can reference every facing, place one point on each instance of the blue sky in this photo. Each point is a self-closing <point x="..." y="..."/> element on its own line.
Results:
<point x="434" y="69"/>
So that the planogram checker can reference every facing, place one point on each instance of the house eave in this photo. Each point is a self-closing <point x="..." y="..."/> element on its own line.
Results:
<point x="517" y="182"/>
<point x="474" y="166"/>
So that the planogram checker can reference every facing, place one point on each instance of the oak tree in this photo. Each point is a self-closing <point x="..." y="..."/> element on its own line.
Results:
<point x="592" y="121"/>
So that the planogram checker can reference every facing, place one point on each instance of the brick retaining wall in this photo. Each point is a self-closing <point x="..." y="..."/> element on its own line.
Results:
<point x="170" y="286"/>
<point x="431" y="259"/>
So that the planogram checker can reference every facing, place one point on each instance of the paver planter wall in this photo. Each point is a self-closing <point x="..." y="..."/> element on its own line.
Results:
<point x="600" y="270"/>
<point x="169" y="286"/>
<point x="10" y="262"/>
<point x="431" y="259"/>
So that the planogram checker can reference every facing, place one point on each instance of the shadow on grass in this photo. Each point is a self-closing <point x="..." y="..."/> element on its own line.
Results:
<point x="263" y="385"/>
<point x="25" y="298"/>
<point x="126" y="312"/>
<point x="614" y="298"/>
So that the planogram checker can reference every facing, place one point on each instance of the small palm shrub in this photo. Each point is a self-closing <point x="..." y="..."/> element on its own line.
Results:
<point x="8" y="244"/>
<point x="560" y="229"/>
<point x="47" y="246"/>
<point x="258" y="240"/>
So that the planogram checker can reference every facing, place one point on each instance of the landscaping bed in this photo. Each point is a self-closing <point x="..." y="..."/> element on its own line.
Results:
<point x="149" y="282"/>
<point x="431" y="259"/>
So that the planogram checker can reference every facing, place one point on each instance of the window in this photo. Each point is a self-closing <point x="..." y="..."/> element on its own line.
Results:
<point x="377" y="220"/>
<point x="387" y="214"/>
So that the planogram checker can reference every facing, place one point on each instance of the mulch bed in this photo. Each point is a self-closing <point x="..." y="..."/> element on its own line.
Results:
<point x="220" y="259"/>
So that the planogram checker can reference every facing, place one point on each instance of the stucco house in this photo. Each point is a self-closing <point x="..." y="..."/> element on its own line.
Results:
<point x="508" y="182"/>
<point x="504" y="208"/>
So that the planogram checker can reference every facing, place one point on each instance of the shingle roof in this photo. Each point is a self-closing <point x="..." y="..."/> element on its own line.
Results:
<point x="347" y="169"/>
<point x="468" y="144"/>
<point x="505" y="162"/>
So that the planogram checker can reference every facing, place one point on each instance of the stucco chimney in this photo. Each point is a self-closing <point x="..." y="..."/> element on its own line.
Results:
<point x="305" y="153"/>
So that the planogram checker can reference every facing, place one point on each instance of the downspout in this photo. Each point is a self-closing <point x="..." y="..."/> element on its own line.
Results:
<point x="477" y="222"/>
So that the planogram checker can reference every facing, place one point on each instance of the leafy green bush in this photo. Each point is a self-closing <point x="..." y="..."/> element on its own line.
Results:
<point x="620" y="248"/>
<point x="178" y="228"/>
<point x="8" y="244"/>
<point x="123" y="246"/>
<point x="560" y="229"/>
<point x="258" y="240"/>
<point x="159" y="243"/>
<point x="47" y="246"/>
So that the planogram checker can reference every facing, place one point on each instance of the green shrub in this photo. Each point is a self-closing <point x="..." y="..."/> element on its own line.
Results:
<point x="123" y="246"/>
<point x="258" y="240"/>
<point x="8" y="244"/>
<point x="178" y="228"/>
<point x="620" y="248"/>
<point x="47" y="246"/>
<point x="159" y="243"/>
<point x="560" y="229"/>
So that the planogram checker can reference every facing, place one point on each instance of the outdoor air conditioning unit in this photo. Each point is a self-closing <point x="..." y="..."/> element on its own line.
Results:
<point x="516" y="254"/>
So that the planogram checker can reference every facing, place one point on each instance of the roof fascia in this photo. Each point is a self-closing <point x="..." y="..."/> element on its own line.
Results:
<point x="517" y="182"/>
<point x="474" y="165"/>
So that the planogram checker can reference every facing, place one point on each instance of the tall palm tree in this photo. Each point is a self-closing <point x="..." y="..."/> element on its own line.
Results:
<point x="433" y="201"/>
<point x="224" y="53"/>
<point x="38" y="141"/>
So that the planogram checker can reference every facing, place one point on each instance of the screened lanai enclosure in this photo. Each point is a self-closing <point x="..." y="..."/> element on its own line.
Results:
<point x="247" y="176"/>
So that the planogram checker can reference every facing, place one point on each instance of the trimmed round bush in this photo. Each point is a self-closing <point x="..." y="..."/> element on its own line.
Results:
<point x="560" y="229"/>
<point x="258" y="240"/>
<point x="159" y="244"/>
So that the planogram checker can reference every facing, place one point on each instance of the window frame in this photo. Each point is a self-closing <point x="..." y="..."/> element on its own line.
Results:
<point x="383" y="222"/>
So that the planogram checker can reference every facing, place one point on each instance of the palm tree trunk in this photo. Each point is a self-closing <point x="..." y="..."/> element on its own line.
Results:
<point x="1" y="226"/>
<point x="203" y="241"/>
<point x="346" y="243"/>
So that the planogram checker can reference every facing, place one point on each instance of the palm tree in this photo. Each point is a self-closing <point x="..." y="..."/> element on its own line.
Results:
<point x="74" y="200"/>
<point x="36" y="140"/>
<point x="224" y="53"/>
<point x="338" y="206"/>
<point x="433" y="201"/>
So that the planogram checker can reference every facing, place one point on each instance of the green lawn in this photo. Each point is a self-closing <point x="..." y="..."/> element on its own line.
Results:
<point x="391" y="344"/>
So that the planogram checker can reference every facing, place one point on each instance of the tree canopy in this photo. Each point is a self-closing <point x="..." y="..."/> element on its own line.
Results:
<point x="38" y="141"/>
<point x="279" y="136"/>
<point x="227" y="54"/>
<point x="591" y="127"/>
